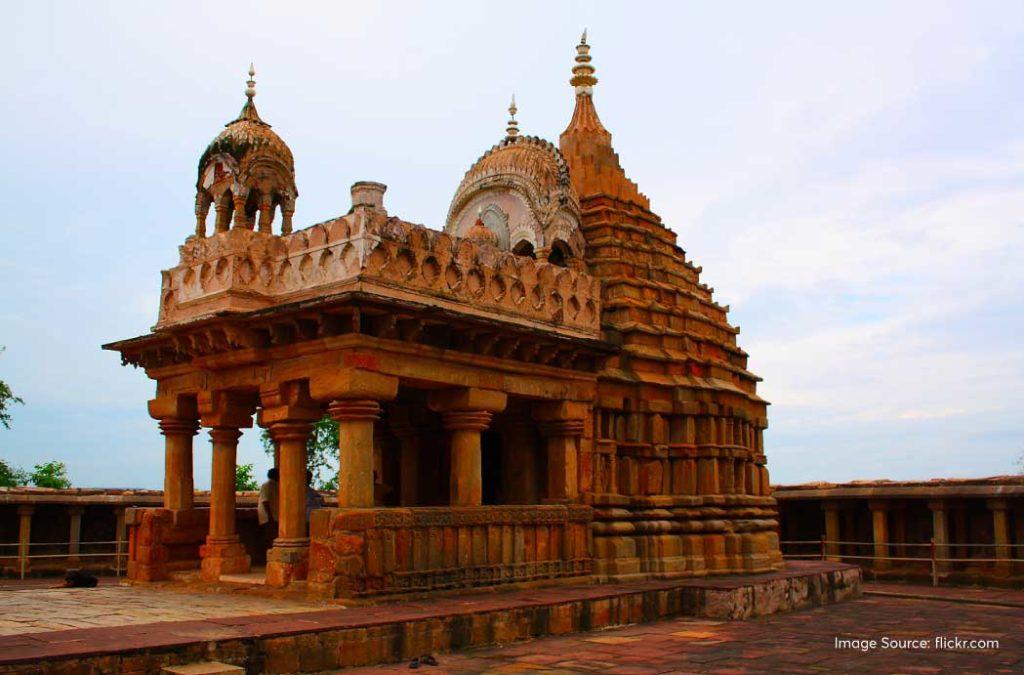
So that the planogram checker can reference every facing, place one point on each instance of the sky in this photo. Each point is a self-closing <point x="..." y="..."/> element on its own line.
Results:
<point x="849" y="175"/>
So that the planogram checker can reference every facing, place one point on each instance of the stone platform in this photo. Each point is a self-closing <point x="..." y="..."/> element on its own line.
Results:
<point x="321" y="639"/>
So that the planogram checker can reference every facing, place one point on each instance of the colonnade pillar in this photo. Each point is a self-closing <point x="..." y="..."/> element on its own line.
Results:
<point x="179" y="421"/>
<point x="289" y="413"/>
<point x="832" y="535"/>
<point x="880" y="533"/>
<point x="24" y="535"/>
<point x="940" y="531"/>
<point x="1001" y="534"/>
<point x="355" y="420"/>
<point x="225" y="413"/>
<point x="179" y="486"/>
<point x="466" y="413"/>
<point x="74" y="534"/>
<point x="562" y="423"/>
<point x="354" y="396"/>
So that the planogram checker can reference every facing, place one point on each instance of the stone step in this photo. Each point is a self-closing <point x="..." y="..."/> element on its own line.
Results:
<point x="205" y="668"/>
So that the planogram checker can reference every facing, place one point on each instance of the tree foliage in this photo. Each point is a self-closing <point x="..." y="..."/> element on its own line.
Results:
<point x="7" y="398"/>
<point x="245" y="478"/>
<point x="321" y="453"/>
<point x="11" y="476"/>
<point x="52" y="474"/>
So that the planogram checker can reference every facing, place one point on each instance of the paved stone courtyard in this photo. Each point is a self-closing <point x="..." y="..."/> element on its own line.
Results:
<point x="797" y="642"/>
<point x="36" y="610"/>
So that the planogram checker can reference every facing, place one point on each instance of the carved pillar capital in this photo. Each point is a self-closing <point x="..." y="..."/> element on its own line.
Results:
<point x="225" y="435"/>
<point x="467" y="420"/>
<point x="354" y="409"/>
<point x="178" y="427"/>
<point x="290" y="430"/>
<point x="562" y="428"/>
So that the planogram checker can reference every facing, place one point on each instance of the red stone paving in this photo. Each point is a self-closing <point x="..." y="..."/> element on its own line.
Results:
<point x="1006" y="596"/>
<point x="90" y="641"/>
<point x="797" y="642"/>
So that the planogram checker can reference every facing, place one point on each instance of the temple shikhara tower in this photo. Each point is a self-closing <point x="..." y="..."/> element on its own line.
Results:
<point x="543" y="389"/>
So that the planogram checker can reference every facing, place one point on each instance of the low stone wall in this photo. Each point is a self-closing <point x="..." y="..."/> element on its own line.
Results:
<point x="363" y="552"/>
<point x="161" y="541"/>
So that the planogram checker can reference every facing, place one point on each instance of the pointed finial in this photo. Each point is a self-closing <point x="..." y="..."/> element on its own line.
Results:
<point x="249" y="109"/>
<point x="583" y="73"/>
<point x="250" y="88"/>
<point x="513" y="126"/>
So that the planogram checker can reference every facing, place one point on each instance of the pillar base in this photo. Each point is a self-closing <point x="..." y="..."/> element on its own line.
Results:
<point x="222" y="556"/>
<point x="287" y="561"/>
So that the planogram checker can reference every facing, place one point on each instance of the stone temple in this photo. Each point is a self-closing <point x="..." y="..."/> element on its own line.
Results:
<point x="542" y="391"/>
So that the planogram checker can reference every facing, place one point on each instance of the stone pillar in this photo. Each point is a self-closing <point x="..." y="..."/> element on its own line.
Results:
<point x="225" y="413"/>
<point x="354" y="395"/>
<point x="179" y="488"/>
<point x="240" y="220"/>
<point x="355" y="446"/>
<point x="223" y="553"/>
<point x="223" y="213"/>
<point x="832" y="535"/>
<point x="880" y="532"/>
<point x="466" y="412"/>
<point x="289" y="413"/>
<point x="179" y="421"/>
<point x="24" y="536"/>
<point x="1001" y="534"/>
<point x="466" y="477"/>
<point x="120" y="535"/>
<point x="940" y="532"/>
<point x="287" y="211"/>
<point x="266" y="214"/>
<point x="562" y="423"/>
<point x="74" y="534"/>
<point x="202" y="209"/>
<point x="288" y="560"/>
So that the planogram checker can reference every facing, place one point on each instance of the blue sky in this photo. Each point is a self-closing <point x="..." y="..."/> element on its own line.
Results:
<point x="851" y="178"/>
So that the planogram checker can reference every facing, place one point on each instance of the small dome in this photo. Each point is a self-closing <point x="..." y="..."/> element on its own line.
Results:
<point x="248" y="134"/>
<point x="481" y="233"/>
<point x="246" y="174"/>
<point x="519" y="190"/>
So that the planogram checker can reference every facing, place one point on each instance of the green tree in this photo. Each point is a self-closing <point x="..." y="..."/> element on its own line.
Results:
<point x="7" y="397"/>
<point x="11" y="476"/>
<point x="52" y="474"/>
<point x="321" y="453"/>
<point x="245" y="478"/>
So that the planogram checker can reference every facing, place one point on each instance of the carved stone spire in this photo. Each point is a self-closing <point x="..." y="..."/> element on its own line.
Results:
<point x="513" y="126"/>
<point x="587" y="146"/>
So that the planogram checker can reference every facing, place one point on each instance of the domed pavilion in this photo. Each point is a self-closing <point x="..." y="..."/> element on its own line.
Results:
<point x="542" y="390"/>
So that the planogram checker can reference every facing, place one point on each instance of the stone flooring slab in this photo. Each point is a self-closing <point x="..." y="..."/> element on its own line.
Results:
<point x="795" y="642"/>
<point x="35" y="610"/>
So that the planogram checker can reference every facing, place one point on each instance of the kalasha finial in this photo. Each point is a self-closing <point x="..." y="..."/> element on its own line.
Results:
<point x="583" y="73"/>
<point x="513" y="126"/>
<point x="249" y="109"/>
<point x="250" y="88"/>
